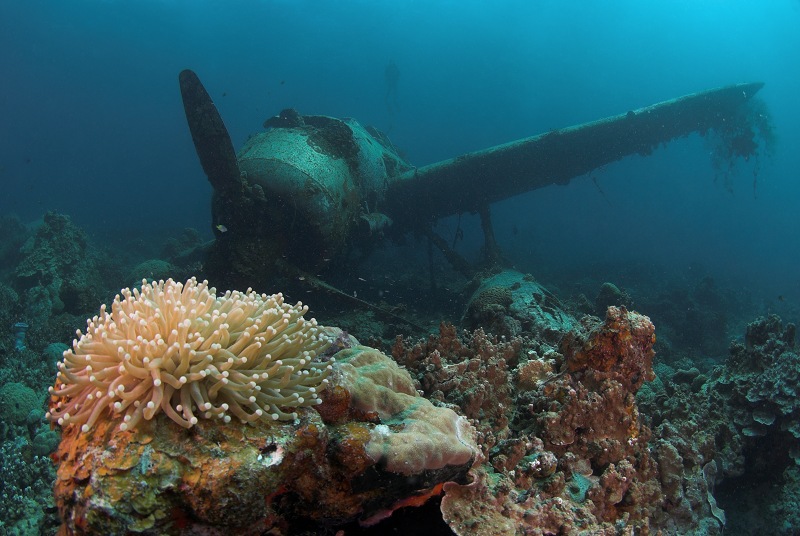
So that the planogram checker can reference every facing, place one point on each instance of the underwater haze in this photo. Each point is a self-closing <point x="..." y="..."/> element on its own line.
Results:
<point x="666" y="426"/>
<point x="94" y="127"/>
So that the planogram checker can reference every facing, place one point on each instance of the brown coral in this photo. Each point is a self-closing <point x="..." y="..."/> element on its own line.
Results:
<point x="473" y="375"/>
<point x="577" y="459"/>
<point x="620" y="348"/>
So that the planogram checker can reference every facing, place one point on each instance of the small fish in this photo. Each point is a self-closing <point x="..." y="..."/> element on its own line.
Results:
<point x="362" y="279"/>
<point x="222" y="229"/>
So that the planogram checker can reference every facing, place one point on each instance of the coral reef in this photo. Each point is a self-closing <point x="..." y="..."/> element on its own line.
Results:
<point x="721" y="438"/>
<point x="588" y="418"/>
<point x="25" y="446"/>
<point x="10" y="312"/>
<point x="619" y="349"/>
<point x="610" y="295"/>
<point x="33" y="369"/>
<point x="152" y="270"/>
<point x="14" y="234"/>
<point x="58" y="269"/>
<point x="180" y="247"/>
<point x="693" y="319"/>
<point x="572" y="453"/>
<point x="25" y="490"/>
<point x="488" y="307"/>
<point x="565" y="427"/>
<point x="413" y="436"/>
<point x="757" y="394"/>
<point x="762" y="382"/>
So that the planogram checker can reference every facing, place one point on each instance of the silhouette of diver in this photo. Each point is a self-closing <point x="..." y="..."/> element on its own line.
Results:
<point x="392" y="75"/>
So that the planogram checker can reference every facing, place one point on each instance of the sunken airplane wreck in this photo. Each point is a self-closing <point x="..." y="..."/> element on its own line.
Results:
<point x="310" y="189"/>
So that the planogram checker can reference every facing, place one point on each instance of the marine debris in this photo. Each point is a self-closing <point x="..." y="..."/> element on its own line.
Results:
<point x="302" y="189"/>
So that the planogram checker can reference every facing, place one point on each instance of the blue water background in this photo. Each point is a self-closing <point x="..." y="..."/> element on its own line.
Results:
<point x="93" y="124"/>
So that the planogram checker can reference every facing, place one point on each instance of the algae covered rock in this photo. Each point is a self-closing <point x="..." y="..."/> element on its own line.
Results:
<point x="510" y="302"/>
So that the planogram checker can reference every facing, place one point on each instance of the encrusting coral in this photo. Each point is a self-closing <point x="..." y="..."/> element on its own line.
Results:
<point x="180" y="349"/>
<point x="472" y="375"/>
<point x="414" y="435"/>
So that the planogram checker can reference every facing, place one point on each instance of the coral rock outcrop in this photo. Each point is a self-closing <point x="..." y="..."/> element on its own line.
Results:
<point x="374" y="445"/>
<point x="566" y="449"/>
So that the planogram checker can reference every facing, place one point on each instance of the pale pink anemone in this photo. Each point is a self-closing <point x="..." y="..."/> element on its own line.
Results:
<point x="180" y="349"/>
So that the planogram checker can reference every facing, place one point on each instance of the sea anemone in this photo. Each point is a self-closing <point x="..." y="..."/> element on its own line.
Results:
<point x="180" y="349"/>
